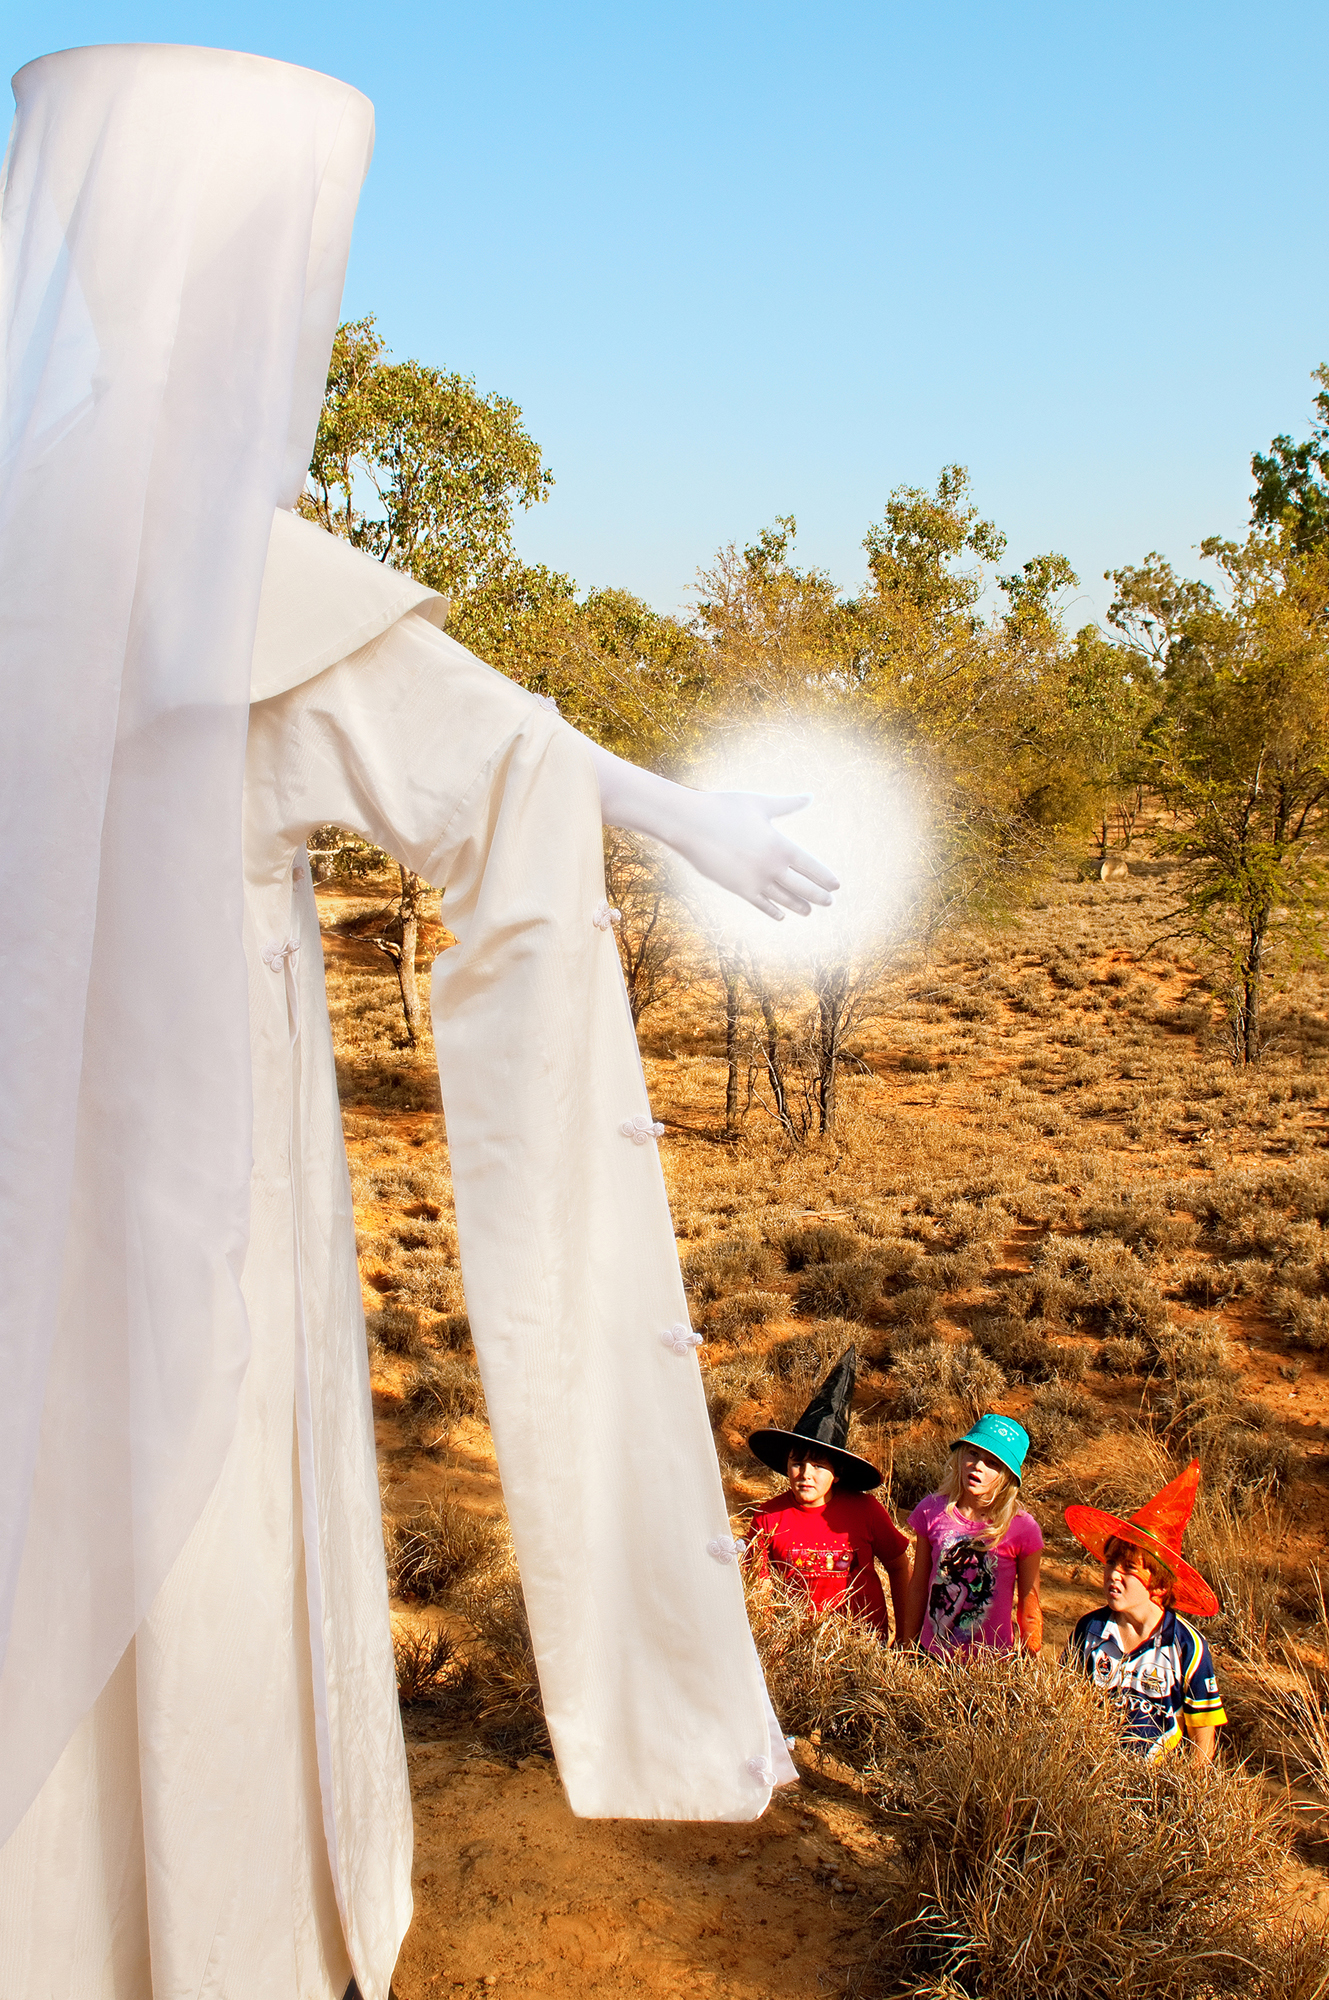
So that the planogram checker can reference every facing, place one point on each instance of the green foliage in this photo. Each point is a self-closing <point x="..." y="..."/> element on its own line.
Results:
<point x="1292" y="480"/>
<point x="1000" y="733"/>
<point x="913" y="550"/>
<point x="417" y="468"/>
<point x="445" y="465"/>
<point x="1240" y="754"/>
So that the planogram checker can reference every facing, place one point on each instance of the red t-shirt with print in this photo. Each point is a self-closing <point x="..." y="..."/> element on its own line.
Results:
<point x="830" y="1550"/>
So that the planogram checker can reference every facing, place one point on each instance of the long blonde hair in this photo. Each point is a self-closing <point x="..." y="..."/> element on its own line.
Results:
<point x="1005" y="1504"/>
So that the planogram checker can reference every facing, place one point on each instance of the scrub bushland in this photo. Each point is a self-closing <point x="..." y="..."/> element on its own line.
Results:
<point x="1048" y="1190"/>
<point x="1033" y="1856"/>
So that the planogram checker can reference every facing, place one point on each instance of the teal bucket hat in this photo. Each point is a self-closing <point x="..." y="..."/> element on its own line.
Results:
<point x="1002" y="1438"/>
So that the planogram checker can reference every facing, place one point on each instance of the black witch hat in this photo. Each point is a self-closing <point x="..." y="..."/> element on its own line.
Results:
<point x="825" y="1424"/>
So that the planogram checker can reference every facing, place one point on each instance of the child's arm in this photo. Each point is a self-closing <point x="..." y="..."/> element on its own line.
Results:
<point x="891" y="1550"/>
<point x="897" y="1576"/>
<point x="916" y="1598"/>
<point x="1028" y="1609"/>
<point x="1203" y="1737"/>
<point x="1202" y="1706"/>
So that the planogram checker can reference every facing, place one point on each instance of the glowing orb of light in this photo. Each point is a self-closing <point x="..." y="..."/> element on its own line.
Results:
<point x="862" y="822"/>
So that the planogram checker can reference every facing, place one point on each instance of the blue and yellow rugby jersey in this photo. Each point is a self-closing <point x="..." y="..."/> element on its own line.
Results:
<point x="1163" y="1684"/>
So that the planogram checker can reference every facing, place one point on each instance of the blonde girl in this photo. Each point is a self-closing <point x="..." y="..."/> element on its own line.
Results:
<point x="974" y="1580"/>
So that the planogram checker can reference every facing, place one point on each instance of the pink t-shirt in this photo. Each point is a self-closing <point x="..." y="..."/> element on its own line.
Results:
<point x="971" y="1591"/>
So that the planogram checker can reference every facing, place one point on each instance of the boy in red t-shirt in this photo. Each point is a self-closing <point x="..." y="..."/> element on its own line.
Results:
<point x="827" y="1531"/>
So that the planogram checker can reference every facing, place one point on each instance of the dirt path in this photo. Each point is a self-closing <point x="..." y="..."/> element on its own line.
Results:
<point x="515" y="1896"/>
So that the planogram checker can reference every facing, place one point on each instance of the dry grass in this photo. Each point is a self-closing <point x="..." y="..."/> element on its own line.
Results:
<point x="1036" y="1857"/>
<point x="1041" y="1859"/>
<point x="436" y="1393"/>
<point x="436" y="1548"/>
<point x="428" y="1665"/>
<point x="1046" y="1191"/>
<point x="501" y="1658"/>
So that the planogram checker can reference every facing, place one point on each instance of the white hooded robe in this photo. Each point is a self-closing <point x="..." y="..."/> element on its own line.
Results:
<point x="232" y="1818"/>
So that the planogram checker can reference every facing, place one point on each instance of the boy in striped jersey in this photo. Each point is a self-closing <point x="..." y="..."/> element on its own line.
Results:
<point x="1139" y="1648"/>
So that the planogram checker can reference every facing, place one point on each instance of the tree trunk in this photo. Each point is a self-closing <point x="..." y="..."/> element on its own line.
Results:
<point x="833" y="987"/>
<point x="729" y="974"/>
<point x="827" y="1059"/>
<point x="1251" y="988"/>
<point x="412" y="890"/>
<point x="771" y="1051"/>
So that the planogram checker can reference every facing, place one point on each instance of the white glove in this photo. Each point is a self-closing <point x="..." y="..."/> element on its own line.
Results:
<point x="727" y="836"/>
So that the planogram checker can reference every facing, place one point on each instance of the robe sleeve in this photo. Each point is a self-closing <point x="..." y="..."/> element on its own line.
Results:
<point x="650" y="1682"/>
<point x="388" y="743"/>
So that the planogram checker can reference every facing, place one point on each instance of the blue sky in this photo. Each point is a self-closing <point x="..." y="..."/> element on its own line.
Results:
<point x="735" y="261"/>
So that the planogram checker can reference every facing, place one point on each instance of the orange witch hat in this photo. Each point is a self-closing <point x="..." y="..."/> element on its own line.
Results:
<point x="1157" y="1526"/>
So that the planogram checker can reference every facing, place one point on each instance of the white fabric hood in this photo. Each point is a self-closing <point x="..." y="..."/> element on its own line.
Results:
<point x="174" y="226"/>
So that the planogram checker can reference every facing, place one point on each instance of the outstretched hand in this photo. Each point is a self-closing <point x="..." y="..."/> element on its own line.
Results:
<point x="730" y="839"/>
<point x="727" y="836"/>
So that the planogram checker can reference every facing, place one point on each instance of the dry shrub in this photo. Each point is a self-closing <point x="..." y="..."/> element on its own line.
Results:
<point x="1255" y="1457"/>
<point x="502" y="1660"/>
<point x="1032" y="996"/>
<point x="1022" y="1350"/>
<point x="431" y="1551"/>
<point x="846" y="1290"/>
<point x="827" y="1675"/>
<point x="959" y="1270"/>
<point x="898" y="1262"/>
<point x="453" y="1331"/>
<point x="737" y="1315"/>
<point x="935" y="1377"/>
<point x="1099" y="1286"/>
<point x="1295" y="1701"/>
<point x="1072" y="1362"/>
<point x="734" y="1382"/>
<point x="1237" y="1550"/>
<point x="428" y="1665"/>
<point x="1249" y="1213"/>
<point x="1060" y="1418"/>
<point x="1240" y="1442"/>
<point x="437" y="1393"/>
<point x="1135" y="1222"/>
<point x="1212" y="1284"/>
<point x="428" y="1281"/>
<point x="976" y="1381"/>
<point x="1196" y="1355"/>
<point x="396" y="1329"/>
<point x="1038" y="1858"/>
<point x="819" y="1243"/>
<point x="1126" y="1356"/>
<point x="914" y="1468"/>
<point x="1068" y="973"/>
<point x="728" y="1264"/>
<point x="1035" y="1856"/>
<point x="913" y="1313"/>
<point x="424" y="1229"/>
<point x="1304" y="1319"/>
<point x="921" y="1379"/>
<point x="805" y="1359"/>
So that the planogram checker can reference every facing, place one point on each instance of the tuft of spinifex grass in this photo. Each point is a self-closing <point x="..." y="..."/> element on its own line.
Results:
<point x="1042" y="1861"/>
<point x="1035" y="1857"/>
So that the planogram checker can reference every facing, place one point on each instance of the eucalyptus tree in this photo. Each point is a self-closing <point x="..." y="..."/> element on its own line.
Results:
<point x="1292" y="480"/>
<point x="1239" y="752"/>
